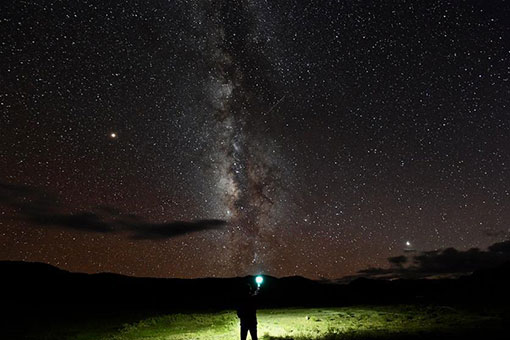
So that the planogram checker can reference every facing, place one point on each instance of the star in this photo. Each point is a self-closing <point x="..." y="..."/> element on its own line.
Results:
<point x="318" y="132"/>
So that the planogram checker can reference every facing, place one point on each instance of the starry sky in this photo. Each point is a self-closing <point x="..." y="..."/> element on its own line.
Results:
<point x="225" y="138"/>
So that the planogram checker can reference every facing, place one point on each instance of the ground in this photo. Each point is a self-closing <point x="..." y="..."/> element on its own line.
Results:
<point x="362" y="322"/>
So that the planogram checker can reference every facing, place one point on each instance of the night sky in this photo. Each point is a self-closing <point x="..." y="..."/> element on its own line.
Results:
<point x="225" y="138"/>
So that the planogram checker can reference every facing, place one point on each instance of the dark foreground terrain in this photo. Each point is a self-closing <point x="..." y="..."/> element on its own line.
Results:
<point x="43" y="302"/>
<point x="355" y="322"/>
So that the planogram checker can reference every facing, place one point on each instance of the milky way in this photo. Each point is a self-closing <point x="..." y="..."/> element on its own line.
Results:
<point x="246" y="166"/>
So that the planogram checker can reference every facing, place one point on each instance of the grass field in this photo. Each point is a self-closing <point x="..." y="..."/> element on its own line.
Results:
<point x="364" y="322"/>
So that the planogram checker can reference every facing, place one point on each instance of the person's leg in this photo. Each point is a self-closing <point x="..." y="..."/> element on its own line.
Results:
<point x="253" y="331"/>
<point x="244" y="332"/>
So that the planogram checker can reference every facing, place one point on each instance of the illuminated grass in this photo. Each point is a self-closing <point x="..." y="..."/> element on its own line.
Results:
<point x="302" y="324"/>
<point x="181" y="326"/>
<point x="308" y="323"/>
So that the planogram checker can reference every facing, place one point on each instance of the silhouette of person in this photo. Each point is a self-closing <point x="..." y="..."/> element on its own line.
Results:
<point x="247" y="312"/>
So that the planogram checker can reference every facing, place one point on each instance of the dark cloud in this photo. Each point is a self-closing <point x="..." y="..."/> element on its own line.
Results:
<point x="502" y="248"/>
<point x="454" y="261"/>
<point x="398" y="261"/>
<point x="172" y="229"/>
<point x="445" y="262"/>
<point x="43" y="210"/>
<point x="83" y="221"/>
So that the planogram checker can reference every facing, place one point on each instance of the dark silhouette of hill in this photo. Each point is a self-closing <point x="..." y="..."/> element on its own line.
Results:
<point x="41" y="284"/>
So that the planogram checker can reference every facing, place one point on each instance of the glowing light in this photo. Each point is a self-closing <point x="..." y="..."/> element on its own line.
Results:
<point x="408" y="243"/>
<point x="259" y="279"/>
<point x="113" y="135"/>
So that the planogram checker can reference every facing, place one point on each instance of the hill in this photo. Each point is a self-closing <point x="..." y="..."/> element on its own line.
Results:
<point x="41" y="284"/>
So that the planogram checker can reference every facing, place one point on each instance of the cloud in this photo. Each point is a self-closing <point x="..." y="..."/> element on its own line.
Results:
<point x="172" y="229"/>
<point x="398" y="261"/>
<point x="447" y="262"/>
<point x="454" y="261"/>
<point x="501" y="248"/>
<point x="84" y="221"/>
<point x="43" y="210"/>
